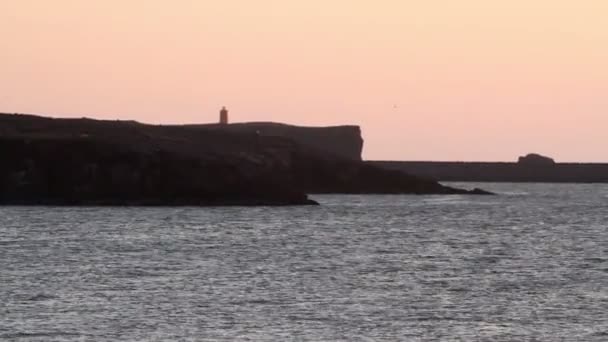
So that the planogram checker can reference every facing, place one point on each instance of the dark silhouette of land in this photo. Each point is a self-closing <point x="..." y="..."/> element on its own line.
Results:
<point x="343" y="142"/>
<point x="530" y="168"/>
<point x="93" y="162"/>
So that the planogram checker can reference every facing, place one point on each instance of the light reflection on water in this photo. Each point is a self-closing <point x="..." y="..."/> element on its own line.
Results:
<point x="529" y="264"/>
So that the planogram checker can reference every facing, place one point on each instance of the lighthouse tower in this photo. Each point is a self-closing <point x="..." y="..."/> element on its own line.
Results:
<point x="224" y="116"/>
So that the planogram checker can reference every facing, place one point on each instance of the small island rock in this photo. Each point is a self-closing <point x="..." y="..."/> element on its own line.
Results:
<point x="536" y="160"/>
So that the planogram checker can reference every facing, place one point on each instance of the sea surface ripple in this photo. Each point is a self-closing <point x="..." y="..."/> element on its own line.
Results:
<point x="528" y="265"/>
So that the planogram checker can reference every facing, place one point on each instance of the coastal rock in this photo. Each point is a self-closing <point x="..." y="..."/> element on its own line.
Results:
<point x="347" y="177"/>
<point x="81" y="172"/>
<point x="534" y="159"/>
<point x="478" y="191"/>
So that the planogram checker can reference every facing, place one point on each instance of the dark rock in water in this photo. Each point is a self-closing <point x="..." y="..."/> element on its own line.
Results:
<point x="475" y="191"/>
<point x="478" y="191"/>
<point x="534" y="159"/>
<point x="88" y="162"/>
<point x="41" y="297"/>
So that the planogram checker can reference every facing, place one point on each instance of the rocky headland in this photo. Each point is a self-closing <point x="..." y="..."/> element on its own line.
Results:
<point x="93" y="162"/>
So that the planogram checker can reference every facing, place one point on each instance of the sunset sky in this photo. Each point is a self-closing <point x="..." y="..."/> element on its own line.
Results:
<point x="425" y="79"/>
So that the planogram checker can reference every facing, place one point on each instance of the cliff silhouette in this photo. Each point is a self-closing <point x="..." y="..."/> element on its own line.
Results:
<point x="342" y="142"/>
<point x="84" y="161"/>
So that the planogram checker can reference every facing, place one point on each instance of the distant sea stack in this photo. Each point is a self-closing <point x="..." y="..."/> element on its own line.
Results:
<point x="94" y="162"/>
<point x="534" y="159"/>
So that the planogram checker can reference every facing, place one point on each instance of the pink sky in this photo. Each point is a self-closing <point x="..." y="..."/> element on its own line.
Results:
<point x="426" y="80"/>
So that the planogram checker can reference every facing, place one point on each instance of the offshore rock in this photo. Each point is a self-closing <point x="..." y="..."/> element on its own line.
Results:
<point x="534" y="159"/>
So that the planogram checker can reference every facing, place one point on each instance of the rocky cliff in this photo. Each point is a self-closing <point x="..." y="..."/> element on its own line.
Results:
<point x="343" y="142"/>
<point x="83" y="161"/>
<point x="77" y="171"/>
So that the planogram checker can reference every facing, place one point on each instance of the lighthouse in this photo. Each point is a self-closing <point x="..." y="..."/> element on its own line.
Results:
<point x="223" y="116"/>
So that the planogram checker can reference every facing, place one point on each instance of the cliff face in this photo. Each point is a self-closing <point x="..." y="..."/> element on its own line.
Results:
<point x="341" y="142"/>
<point x="73" y="171"/>
<point x="344" y="142"/>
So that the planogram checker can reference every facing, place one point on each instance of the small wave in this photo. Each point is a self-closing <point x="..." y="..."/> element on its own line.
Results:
<point x="41" y="297"/>
<point x="28" y="335"/>
<point x="136" y="274"/>
<point x="595" y="260"/>
<point x="9" y="242"/>
<point x="514" y="193"/>
<point x="447" y="200"/>
<point x="255" y="302"/>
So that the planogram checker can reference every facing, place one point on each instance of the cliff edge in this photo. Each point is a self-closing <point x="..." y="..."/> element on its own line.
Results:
<point x="342" y="142"/>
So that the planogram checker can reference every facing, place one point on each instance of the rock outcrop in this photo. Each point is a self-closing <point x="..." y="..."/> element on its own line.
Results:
<point x="347" y="177"/>
<point x="534" y="159"/>
<point x="79" y="171"/>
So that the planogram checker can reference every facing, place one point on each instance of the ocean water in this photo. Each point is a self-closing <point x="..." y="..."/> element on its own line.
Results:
<point x="528" y="265"/>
